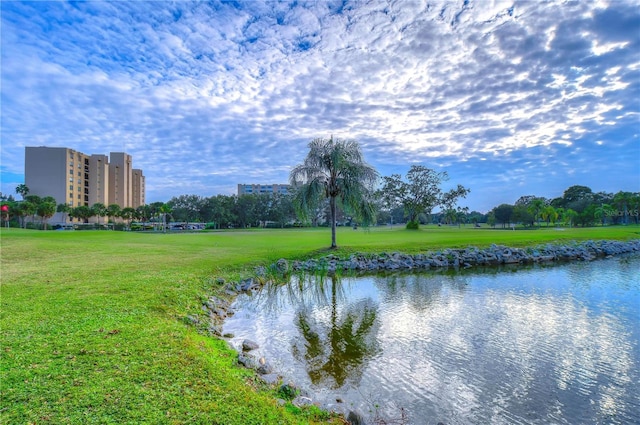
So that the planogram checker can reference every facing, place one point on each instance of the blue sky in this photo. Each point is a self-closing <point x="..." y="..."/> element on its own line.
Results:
<point x="510" y="98"/>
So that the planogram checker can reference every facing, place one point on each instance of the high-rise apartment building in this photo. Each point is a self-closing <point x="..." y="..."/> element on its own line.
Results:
<point x="76" y="179"/>
<point x="249" y="189"/>
<point x="138" y="189"/>
<point x="120" y="179"/>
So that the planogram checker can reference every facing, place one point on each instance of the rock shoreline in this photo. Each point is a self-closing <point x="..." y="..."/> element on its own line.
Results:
<point x="494" y="255"/>
<point x="218" y="308"/>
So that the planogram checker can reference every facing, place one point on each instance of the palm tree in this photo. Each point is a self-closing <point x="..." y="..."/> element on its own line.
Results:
<point x="535" y="208"/>
<point x="569" y="216"/>
<point x="549" y="214"/>
<point x="24" y="209"/>
<point x="622" y="200"/>
<point x="35" y="201"/>
<point x="602" y="212"/>
<point x="165" y="209"/>
<point x="46" y="209"/>
<point x="144" y="212"/>
<point x="64" y="209"/>
<point x="128" y="214"/>
<point x="82" y="212"/>
<point x="99" y="210"/>
<point x="22" y="189"/>
<point x="334" y="169"/>
<point x="113" y="210"/>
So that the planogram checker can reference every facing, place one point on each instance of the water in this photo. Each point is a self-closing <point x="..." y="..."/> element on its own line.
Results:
<point x="537" y="345"/>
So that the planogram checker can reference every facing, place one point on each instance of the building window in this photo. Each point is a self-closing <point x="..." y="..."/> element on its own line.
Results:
<point x="70" y="187"/>
<point x="71" y="172"/>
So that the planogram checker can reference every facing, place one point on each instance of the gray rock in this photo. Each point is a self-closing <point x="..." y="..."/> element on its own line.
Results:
<point x="248" y="361"/>
<point x="282" y="266"/>
<point x="301" y="401"/>
<point x="270" y="379"/>
<point x="248" y="345"/>
<point x="214" y="329"/>
<point x="355" y="418"/>
<point x="265" y="367"/>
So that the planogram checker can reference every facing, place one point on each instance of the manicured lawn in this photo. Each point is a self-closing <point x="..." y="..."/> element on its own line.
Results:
<point x="93" y="330"/>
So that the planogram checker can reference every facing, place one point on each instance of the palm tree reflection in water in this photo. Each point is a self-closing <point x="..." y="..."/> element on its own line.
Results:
<point x="338" y="339"/>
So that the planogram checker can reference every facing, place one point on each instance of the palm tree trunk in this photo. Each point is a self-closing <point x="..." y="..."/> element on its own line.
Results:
<point x="332" y="207"/>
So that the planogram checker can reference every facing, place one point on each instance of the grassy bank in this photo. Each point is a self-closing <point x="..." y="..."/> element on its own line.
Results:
<point x="92" y="329"/>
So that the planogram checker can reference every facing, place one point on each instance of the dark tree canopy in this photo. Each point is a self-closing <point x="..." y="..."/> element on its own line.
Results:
<point x="421" y="192"/>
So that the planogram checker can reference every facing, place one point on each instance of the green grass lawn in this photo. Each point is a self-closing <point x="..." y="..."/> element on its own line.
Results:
<point x="92" y="327"/>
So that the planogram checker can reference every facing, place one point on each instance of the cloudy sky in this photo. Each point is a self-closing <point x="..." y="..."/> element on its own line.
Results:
<point x="509" y="97"/>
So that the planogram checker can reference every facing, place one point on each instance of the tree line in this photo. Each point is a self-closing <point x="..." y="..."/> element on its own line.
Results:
<point x="578" y="206"/>
<point x="334" y="186"/>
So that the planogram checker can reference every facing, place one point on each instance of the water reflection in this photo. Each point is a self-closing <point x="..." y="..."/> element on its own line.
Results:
<point x="536" y="346"/>
<point x="418" y="292"/>
<point x="337" y="351"/>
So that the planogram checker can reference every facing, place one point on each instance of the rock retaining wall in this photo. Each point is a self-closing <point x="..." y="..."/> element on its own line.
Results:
<point x="466" y="257"/>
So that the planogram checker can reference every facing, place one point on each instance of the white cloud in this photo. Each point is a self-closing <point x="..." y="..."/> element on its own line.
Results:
<point x="244" y="88"/>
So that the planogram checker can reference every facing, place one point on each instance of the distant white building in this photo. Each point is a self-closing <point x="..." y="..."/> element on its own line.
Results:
<point x="250" y="189"/>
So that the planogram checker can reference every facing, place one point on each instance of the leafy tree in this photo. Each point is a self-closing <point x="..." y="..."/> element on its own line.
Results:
<point x="491" y="219"/>
<point x="534" y="206"/>
<point x="186" y="207"/>
<point x="334" y="170"/>
<point x="587" y="216"/>
<point x="576" y="193"/>
<point x="503" y="213"/>
<point x="476" y="217"/>
<point x="245" y="210"/>
<point x="46" y="209"/>
<point x="522" y="214"/>
<point x="22" y="190"/>
<point x="420" y="193"/>
<point x="281" y="210"/>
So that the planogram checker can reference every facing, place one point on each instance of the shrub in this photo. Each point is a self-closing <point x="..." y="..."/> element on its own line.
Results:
<point x="413" y="225"/>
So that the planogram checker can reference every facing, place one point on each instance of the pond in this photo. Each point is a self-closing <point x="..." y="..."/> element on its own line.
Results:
<point x="536" y="345"/>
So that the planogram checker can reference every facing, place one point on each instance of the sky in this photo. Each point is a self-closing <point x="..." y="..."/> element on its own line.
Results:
<point x="510" y="98"/>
